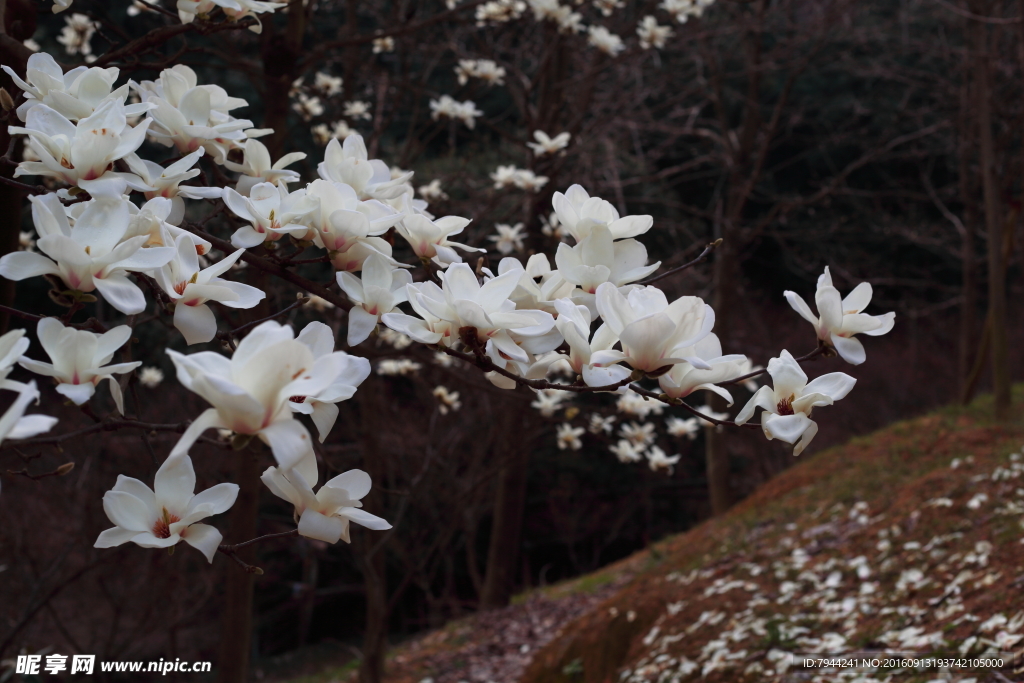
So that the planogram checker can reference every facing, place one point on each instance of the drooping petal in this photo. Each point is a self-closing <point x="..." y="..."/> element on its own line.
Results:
<point x="849" y="349"/>
<point x="288" y="440"/>
<point x="203" y="538"/>
<point x="360" y="325"/>
<point x="114" y="537"/>
<point x="217" y="498"/>
<point x="835" y="385"/>
<point x="786" y="428"/>
<point x="312" y="524"/>
<point x="363" y="518"/>
<point x="196" y="323"/>
<point x="208" y="419"/>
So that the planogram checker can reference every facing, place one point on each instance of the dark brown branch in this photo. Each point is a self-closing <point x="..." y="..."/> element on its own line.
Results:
<point x="703" y="256"/>
<point x="232" y="550"/>
<point x="822" y="350"/>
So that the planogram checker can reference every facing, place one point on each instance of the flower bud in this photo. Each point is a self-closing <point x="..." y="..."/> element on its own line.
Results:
<point x="65" y="469"/>
<point x="6" y="101"/>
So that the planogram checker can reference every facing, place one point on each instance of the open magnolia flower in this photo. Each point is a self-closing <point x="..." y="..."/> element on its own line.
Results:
<point x="379" y="291"/>
<point x="685" y="378"/>
<point x="326" y="514"/>
<point x="165" y="182"/>
<point x="80" y="360"/>
<point x="597" y="259"/>
<point x="788" y="405"/>
<point x="234" y="9"/>
<point x="578" y="213"/>
<point x="190" y="287"/>
<point x="574" y="323"/>
<point x="90" y="257"/>
<point x="350" y="164"/>
<point x="429" y="238"/>
<point x="258" y="168"/>
<point x="840" y="318"/>
<point x="152" y="219"/>
<point x="250" y="392"/>
<point x="322" y="407"/>
<point x="539" y="286"/>
<point x="654" y="334"/>
<point x="82" y="155"/>
<point x="271" y="211"/>
<point x="161" y="516"/>
<point x="548" y="145"/>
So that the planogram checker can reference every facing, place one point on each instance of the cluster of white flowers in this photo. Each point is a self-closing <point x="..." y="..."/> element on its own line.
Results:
<point x="487" y="70"/>
<point x="524" y="179"/>
<point x="446" y="107"/>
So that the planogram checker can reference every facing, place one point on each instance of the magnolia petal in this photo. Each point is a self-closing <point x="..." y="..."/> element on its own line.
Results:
<point x="217" y="498"/>
<point x="21" y="265"/>
<point x="858" y="299"/>
<point x="114" y="537"/>
<point x="203" y="538"/>
<point x="763" y="398"/>
<point x="312" y="524"/>
<point x="288" y="440"/>
<point x="835" y="385"/>
<point x="121" y="293"/>
<point x="800" y="306"/>
<point x="196" y="323"/>
<point x="809" y="433"/>
<point x="360" y="325"/>
<point x="208" y="419"/>
<point x="78" y="393"/>
<point x="786" y="428"/>
<point x="849" y="349"/>
<point x="127" y="511"/>
<point x="363" y="518"/>
<point x="174" y="483"/>
<point x="886" y="324"/>
<point x="830" y="307"/>
<point x="324" y="416"/>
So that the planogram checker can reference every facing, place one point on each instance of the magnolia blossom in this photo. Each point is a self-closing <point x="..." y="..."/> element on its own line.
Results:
<point x="569" y="437"/>
<point x="459" y="111"/>
<point x="682" y="10"/>
<point x="539" y="286"/>
<point x="640" y="434"/>
<point x="840" y="319"/>
<point x="627" y="451"/>
<point x="677" y="426"/>
<point x="79" y="360"/>
<point x="348" y="228"/>
<point x="350" y="164"/>
<point x="479" y="314"/>
<point x="90" y="257"/>
<point x="76" y="35"/>
<point x="379" y="291"/>
<point x="326" y="83"/>
<point x="598" y="259"/>
<point x="271" y="211"/>
<point x="83" y="154"/>
<point x="15" y="424"/>
<point x="485" y="69"/>
<point x="600" y="425"/>
<point x="549" y="401"/>
<point x="13" y="346"/>
<point x="432" y="191"/>
<point x="324" y="134"/>
<point x="605" y="41"/>
<point x="658" y="460"/>
<point x="654" y="334"/>
<point x="161" y="516"/>
<point x="190" y="288"/>
<point x="258" y="168"/>
<point x="152" y="219"/>
<point x="307" y="106"/>
<point x="326" y="514"/>
<point x="685" y="378"/>
<point x="429" y="237"/>
<point x="250" y="392"/>
<point x="188" y="116"/>
<point x="548" y="145"/>
<point x="383" y="44"/>
<point x="788" y="405"/>
<point x="322" y="406"/>
<point x="357" y="110"/>
<point x="446" y="400"/>
<point x="509" y="238"/>
<point x="165" y="182"/>
<point x="574" y="323"/>
<point x="234" y="9"/>
<point x="578" y="213"/>
<point x="151" y="377"/>
<point x="652" y="34"/>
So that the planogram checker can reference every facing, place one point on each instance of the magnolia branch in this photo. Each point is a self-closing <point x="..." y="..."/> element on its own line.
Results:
<point x="703" y="256"/>
<point x="232" y="550"/>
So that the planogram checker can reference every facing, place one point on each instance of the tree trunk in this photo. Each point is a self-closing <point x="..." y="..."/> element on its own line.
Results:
<point x="726" y="279"/>
<point x="375" y="639"/>
<point x="998" y="351"/>
<point x="236" y="638"/>
<point x="969" y="270"/>
<point x="509" y="504"/>
<point x="717" y="464"/>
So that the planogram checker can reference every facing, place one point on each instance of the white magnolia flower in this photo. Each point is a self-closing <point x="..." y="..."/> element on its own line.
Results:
<point x="82" y="155"/>
<point x="447" y="107"/>
<point x="446" y="400"/>
<point x="600" y="425"/>
<point x="787" y="406"/>
<point x="327" y="84"/>
<point x="322" y="406"/>
<point x="504" y="176"/>
<point x="190" y="288"/>
<point x="574" y="324"/>
<point x="383" y="44"/>
<point x="710" y="412"/>
<point x="165" y="182"/>
<point x="161" y="516"/>
<point x="13" y="346"/>
<point x="677" y="426"/>
<point x="539" y="286"/>
<point x="432" y="191"/>
<point x="79" y="360"/>
<point x="151" y="377"/>
<point x="74" y="95"/>
<point x="608" y="6"/>
<point x="347" y="227"/>
<point x="350" y="164"/>
<point x="578" y="213"/>
<point x="379" y="291"/>
<point x="654" y="334"/>
<point x="271" y="211"/>
<point x="485" y="69"/>
<point x="658" y="460"/>
<point x="652" y="34"/>
<point x="236" y="10"/>
<point x="632" y="403"/>
<point x="91" y="256"/>
<point x="256" y="167"/>
<point x="548" y="145"/>
<point x="76" y="35"/>
<point x="598" y="259"/>
<point x="480" y="314"/>
<point x="399" y="367"/>
<point x="250" y="392"/>
<point x="685" y="378"/>
<point x="840" y="318"/>
<point x="357" y="110"/>
<point x="326" y="514"/>
<point x="627" y="451"/>
<point x="499" y="11"/>
<point x="569" y="437"/>
<point x="15" y="424"/>
<point x="605" y="41"/>
<point x="509" y="238"/>
<point x="394" y="339"/>
<point x="429" y="237"/>
<point x="526" y="179"/>
<point x="338" y="130"/>
<point x="682" y="10"/>
<point x="549" y="401"/>
<point x="640" y="434"/>
<point x="152" y="219"/>
<point x="187" y="116"/>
